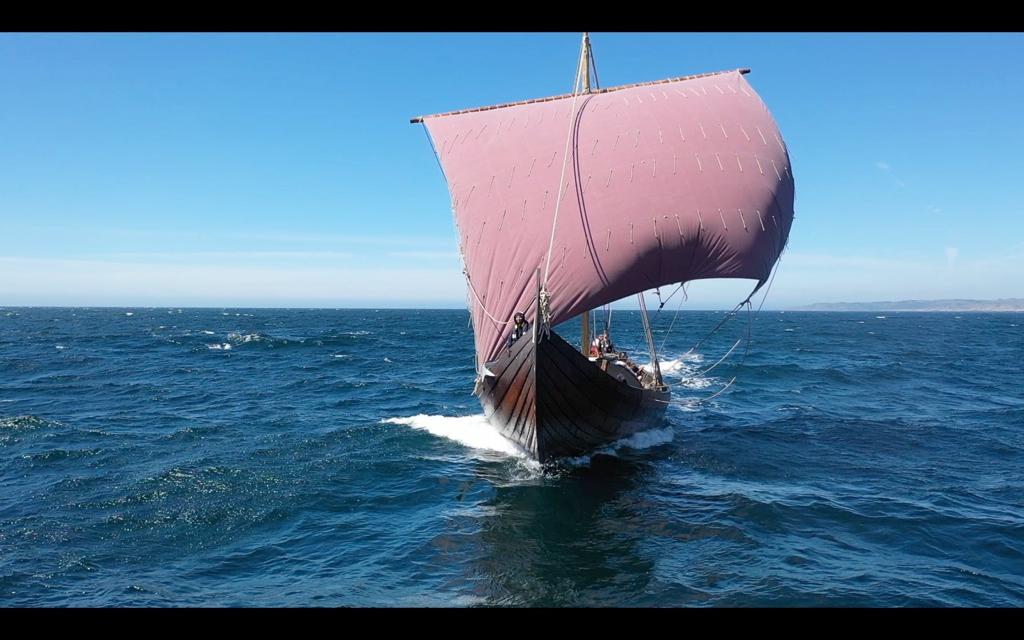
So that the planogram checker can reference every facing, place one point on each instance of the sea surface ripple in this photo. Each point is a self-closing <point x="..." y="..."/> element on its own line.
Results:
<point x="255" y="457"/>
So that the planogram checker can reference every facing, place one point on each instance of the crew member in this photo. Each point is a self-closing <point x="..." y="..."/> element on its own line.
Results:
<point x="519" y="328"/>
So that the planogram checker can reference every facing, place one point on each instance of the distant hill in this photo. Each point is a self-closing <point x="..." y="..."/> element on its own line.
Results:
<point x="1002" y="304"/>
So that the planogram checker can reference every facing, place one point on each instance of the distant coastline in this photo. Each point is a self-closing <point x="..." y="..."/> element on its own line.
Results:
<point x="1002" y="304"/>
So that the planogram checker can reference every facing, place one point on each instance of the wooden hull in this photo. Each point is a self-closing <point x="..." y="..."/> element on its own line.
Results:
<point x="553" y="401"/>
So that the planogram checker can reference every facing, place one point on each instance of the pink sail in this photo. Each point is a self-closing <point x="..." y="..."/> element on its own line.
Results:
<point x="665" y="182"/>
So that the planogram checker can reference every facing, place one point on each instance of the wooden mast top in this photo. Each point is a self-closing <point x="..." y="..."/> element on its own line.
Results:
<point x="586" y="61"/>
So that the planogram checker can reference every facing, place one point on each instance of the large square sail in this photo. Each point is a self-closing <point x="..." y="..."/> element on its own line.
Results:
<point x="663" y="182"/>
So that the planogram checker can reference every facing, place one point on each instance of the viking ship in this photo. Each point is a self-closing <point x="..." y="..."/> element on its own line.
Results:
<point x="571" y="202"/>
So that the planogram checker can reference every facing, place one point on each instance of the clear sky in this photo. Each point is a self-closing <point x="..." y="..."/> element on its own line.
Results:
<point x="281" y="170"/>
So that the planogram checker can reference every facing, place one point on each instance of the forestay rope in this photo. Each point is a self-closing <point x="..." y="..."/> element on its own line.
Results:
<point x="545" y="298"/>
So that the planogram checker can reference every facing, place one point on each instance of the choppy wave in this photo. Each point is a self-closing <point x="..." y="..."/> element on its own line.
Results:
<point x="236" y="337"/>
<point x="138" y="457"/>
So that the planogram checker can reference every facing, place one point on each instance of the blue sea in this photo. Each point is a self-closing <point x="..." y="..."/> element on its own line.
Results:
<point x="255" y="457"/>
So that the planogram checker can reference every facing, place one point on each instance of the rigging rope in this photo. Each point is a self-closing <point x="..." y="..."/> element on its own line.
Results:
<point x="662" y="303"/>
<point x="751" y="316"/>
<point x="481" y="303"/>
<point x="436" y="157"/>
<point x="655" y="365"/>
<point x="720" y="391"/>
<point x="565" y="161"/>
<point x="720" y="360"/>
<point x="674" y="316"/>
<point x="593" y="65"/>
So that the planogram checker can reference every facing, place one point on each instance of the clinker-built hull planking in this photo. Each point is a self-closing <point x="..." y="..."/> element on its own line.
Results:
<point x="553" y="401"/>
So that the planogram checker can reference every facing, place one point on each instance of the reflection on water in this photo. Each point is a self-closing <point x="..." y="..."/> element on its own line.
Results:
<point x="562" y="539"/>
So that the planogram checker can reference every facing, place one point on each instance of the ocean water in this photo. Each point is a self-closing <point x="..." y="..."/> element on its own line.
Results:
<point x="243" y="457"/>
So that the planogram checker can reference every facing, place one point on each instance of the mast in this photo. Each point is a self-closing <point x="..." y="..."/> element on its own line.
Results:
<point x="655" y="365"/>
<point x="586" y="62"/>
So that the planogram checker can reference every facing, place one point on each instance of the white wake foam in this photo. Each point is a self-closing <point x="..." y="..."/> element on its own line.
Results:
<point x="470" y="431"/>
<point x="697" y="382"/>
<point x="684" y="371"/>
<point x="476" y="433"/>
<point x="682" y="365"/>
<point x="637" y="441"/>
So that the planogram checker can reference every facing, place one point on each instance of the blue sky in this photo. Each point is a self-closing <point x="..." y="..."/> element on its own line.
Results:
<point x="281" y="170"/>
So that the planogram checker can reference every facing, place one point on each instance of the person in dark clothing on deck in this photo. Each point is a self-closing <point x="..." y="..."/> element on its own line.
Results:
<point x="519" y="328"/>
